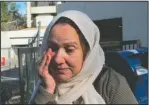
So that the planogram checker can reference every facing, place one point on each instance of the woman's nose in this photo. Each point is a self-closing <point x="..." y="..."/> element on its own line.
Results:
<point x="59" y="57"/>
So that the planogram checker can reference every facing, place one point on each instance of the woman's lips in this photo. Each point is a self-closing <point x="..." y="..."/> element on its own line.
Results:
<point x="61" y="70"/>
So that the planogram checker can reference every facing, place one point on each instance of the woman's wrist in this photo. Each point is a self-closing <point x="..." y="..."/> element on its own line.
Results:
<point x="50" y="90"/>
<point x="49" y="86"/>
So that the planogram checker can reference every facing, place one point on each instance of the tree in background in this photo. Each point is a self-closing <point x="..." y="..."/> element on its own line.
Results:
<point x="5" y="15"/>
<point x="11" y="19"/>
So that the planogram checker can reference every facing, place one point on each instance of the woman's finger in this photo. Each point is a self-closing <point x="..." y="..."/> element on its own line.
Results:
<point x="48" y="57"/>
<point x="44" y="69"/>
<point x="43" y="61"/>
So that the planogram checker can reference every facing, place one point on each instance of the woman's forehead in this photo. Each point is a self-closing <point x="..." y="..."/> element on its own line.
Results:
<point x="65" y="32"/>
<point x="58" y="36"/>
<point x="65" y="26"/>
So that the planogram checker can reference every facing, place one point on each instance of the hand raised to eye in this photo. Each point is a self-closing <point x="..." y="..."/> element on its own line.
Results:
<point x="47" y="78"/>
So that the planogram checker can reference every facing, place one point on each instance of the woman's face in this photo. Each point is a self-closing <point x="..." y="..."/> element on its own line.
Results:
<point x="67" y="56"/>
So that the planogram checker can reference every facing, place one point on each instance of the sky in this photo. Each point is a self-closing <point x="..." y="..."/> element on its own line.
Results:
<point x="21" y="6"/>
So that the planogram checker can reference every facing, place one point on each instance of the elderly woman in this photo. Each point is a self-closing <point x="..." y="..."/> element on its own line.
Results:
<point x="72" y="60"/>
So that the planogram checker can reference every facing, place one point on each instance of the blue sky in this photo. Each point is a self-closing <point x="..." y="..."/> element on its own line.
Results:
<point x="21" y="6"/>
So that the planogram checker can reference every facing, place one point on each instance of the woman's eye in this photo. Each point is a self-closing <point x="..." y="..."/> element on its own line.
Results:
<point x="69" y="50"/>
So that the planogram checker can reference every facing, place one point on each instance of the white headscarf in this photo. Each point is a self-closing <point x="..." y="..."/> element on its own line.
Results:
<point x="81" y="84"/>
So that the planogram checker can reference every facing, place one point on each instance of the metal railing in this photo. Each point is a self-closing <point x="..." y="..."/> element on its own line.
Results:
<point x="120" y="45"/>
<point x="36" y="38"/>
<point x="26" y="62"/>
<point x="28" y="73"/>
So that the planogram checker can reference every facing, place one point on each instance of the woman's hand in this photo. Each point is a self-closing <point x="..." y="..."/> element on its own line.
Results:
<point x="47" y="78"/>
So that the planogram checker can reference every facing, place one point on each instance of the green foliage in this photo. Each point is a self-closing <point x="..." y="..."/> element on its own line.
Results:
<point x="4" y="12"/>
<point x="11" y="19"/>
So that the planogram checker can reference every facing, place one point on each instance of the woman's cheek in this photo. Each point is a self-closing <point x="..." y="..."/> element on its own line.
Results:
<point x="75" y="65"/>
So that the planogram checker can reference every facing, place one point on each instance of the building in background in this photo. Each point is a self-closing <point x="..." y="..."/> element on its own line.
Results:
<point x="36" y="11"/>
<point x="116" y="20"/>
<point x="41" y="11"/>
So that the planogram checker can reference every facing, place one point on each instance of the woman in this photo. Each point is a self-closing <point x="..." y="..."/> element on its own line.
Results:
<point x="72" y="60"/>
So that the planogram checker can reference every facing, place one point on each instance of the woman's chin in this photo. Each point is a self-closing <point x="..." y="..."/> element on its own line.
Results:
<point x="62" y="78"/>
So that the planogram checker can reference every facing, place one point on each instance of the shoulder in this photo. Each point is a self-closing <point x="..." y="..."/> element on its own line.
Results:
<point x="108" y="83"/>
<point x="113" y="76"/>
<point x="109" y="76"/>
<point x="114" y="88"/>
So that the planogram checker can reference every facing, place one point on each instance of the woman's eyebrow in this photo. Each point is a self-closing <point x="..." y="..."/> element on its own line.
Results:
<point x="70" y="43"/>
<point x="67" y="43"/>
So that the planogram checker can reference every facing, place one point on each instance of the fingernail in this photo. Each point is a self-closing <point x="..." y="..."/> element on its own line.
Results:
<point x="51" y="52"/>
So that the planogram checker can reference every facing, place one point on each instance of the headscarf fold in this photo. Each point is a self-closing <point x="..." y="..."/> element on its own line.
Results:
<point x="82" y="84"/>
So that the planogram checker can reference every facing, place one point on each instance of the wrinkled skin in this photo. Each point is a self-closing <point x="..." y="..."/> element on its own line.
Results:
<point x="63" y="58"/>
